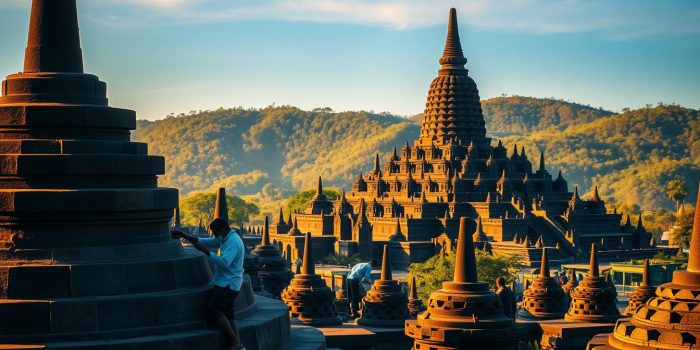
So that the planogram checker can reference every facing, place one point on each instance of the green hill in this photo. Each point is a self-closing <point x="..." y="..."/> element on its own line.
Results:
<point x="274" y="150"/>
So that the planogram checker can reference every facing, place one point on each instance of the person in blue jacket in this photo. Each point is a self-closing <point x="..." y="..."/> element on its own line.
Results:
<point x="358" y="273"/>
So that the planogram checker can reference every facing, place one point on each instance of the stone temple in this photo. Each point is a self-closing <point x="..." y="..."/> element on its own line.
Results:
<point x="415" y="199"/>
<point x="86" y="258"/>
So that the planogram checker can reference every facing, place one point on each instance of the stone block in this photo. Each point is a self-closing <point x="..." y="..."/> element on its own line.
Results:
<point x="98" y="280"/>
<point x="39" y="282"/>
<point x="150" y="276"/>
<point x="24" y="317"/>
<point x="73" y="316"/>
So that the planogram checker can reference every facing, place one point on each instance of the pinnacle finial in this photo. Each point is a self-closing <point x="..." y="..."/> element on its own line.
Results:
<point x="542" y="164"/>
<point x="266" y="232"/>
<point x="453" y="59"/>
<point x="465" y="263"/>
<point x="307" y="267"/>
<point x="544" y="267"/>
<point x="220" y="206"/>
<point x="413" y="290"/>
<point x="593" y="268"/>
<point x="386" y="265"/>
<point x="596" y="196"/>
<point x="645" y="274"/>
<point x="319" y="188"/>
<point x="54" y="38"/>
<point x="280" y="219"/>
<point x="376" y="163"/>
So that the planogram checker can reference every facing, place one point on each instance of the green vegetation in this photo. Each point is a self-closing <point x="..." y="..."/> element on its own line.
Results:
<point x="199" y="208"/>
<point x="677" y="190"/>
<point x="269" y="154"/>
<point x="342" y="260"/>
<point x="431" y="273"/>
<point x="683" y="227"/>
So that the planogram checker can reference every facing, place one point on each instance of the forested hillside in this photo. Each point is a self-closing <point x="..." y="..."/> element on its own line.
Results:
<point x="275" y="150"/>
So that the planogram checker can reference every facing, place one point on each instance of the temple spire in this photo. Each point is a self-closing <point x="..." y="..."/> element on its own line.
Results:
<point x="220" y="206"/>
<point x="453" y="59"/>
<point x="280" y="219"/>
<point x="53" y="44"/>
<point x="465" y="263"/>
<point x="544" y="267"/>
<point x="266" y="232"/>
<point x="307" y="265"/>
<point x="386" y="265"/>
<point x="376" y="164"/>
<point x="593" y="268"/>
<point x="596" y="196"/>
<point x="542" y="164"/>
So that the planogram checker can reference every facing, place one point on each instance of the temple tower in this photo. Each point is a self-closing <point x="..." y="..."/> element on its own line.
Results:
<point x="671" y="319"/>
<point x="385" y="304"/>
<point x="545" y="299"/>
<point x="453" y="109"/>
<point x="308" y="297"/>
<point x="85" y="254"/>
<point x="593" y="300"/>
<point x="274" y="272"/>
<point x="642" y="294"/>
<point x="465" y="313"/>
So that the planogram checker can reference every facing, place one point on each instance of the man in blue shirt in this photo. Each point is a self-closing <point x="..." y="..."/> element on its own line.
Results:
<point x="358" y="273"/>
<point x="227" y="264"/>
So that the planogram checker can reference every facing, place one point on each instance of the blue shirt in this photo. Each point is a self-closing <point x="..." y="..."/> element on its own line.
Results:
<point x="361" y="271"/>
<point x="228" y="261"/>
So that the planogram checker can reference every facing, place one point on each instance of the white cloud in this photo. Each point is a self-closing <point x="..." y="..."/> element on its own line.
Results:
<point x="617" y="19"/>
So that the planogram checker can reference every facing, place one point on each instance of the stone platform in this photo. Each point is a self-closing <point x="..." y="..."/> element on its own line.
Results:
<point x="350" y="336"/>
<point x="563" y="335"/>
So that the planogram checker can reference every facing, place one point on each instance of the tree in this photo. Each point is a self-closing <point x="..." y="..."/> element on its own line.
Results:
<point x="299" y="201"/>
<point x="199" y="208"/>
<point x="431" y="273"/>
<point x="683" y="228"/>
<point x="677" y="190"/>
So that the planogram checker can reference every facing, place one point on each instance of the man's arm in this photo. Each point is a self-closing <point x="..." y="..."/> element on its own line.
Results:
<point x="367" y="269"/>
<point x="203" y="245"/>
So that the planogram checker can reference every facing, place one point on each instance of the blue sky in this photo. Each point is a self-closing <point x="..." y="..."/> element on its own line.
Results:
<point x="172" y="56"/>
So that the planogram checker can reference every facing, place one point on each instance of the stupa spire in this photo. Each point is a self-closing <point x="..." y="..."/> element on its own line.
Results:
<point x="544" y="266"/>
<point x="465" y="263"/>
<point x="593" y="267"/>
<point x="266" y="232"/>
<point x="53" y="44"/>
<point x="386" y="265"/>
<point x="376" y="164"/>
<point x="307" y="265"/>
<point x="220" y="206"/>
<point x="280" y="219"/>
<point x="319" y="189"/>
<point x="453" y="59"/>
<point x="596" y="196"/>
<point x="542" y="164"/>
<point x="694" y="255"/>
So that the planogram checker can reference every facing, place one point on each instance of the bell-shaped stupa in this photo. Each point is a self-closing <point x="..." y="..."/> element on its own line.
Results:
<point x="274" y="271"/>
<point x="385" y="304"/>
<point x="308" y="297"/>
<point x="465" y="313"/>
<point x="86" y="256"/>
<point x="594" y="299"/>
<point x="641" y="294"/>
<point x="545" y="299"/>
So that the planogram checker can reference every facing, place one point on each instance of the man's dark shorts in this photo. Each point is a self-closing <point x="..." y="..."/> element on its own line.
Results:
<point x="221" y="302"/>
